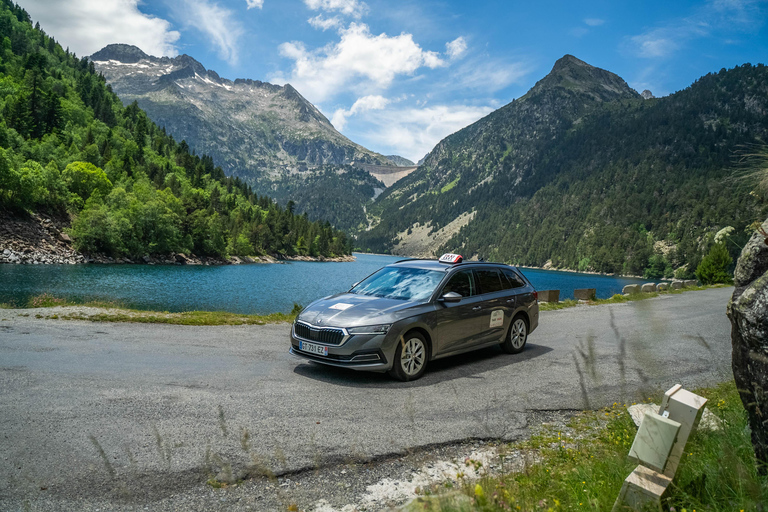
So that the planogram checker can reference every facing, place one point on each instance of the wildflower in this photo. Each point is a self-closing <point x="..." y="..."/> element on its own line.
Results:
<point x="720" y="236"/>
<point x="479" y="492"/>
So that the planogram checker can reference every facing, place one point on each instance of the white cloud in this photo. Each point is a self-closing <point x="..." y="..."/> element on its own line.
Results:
<point x="219" y="24"/>
<point x="732" y="15"/>
<point x="360" y="61"/>
<point x="321" y="23"/>
<point x="86" y="26"/>
<point x="352" y="8"/>
<point x="594" y="22"/>
<point x="491" y="75"/>
<point x="456" y="48"/>
<point x="372" y="102"/>
<point x="255" y="4"/>
<point x="413" y="132"/>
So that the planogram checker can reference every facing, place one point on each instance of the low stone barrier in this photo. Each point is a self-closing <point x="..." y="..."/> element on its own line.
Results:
<point x="549" y="295"/>
<point x="648" y="288"/>
<point x="662" y="287"/>
<point x="677" y="285"/>
<point x="631" y="289"/>
<point x="585" y="294"/>
<point x="688" y="283"/>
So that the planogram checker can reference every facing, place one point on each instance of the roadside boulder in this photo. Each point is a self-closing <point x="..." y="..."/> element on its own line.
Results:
<point x="549" y="295"/>
<point x="689" y="283"/>
<point x="631" y="289"/>
<point x="662" y="287"/>
<point x="748" y="312"/>
<point x="677" y="285"/>
<point x="585" y="294"/>
<point x="648" y="288"/>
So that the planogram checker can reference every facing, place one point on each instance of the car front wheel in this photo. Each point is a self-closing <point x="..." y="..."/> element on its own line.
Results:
<point x="410" y="357"/>
<point x="517" y="336"/>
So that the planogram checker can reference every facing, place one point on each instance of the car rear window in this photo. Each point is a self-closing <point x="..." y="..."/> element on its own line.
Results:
<point x="489" y="280"/>
<point x="515" y="281"/>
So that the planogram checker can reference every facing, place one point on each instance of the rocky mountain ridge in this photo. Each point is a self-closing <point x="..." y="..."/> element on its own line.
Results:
<point x="280" y="130"/>
<point x="584" y="171"/>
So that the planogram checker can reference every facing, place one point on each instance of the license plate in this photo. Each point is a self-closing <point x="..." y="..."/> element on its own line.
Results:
<point x="320" y="350"/>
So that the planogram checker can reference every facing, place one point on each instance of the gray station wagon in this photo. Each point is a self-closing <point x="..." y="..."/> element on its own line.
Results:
<point x="414" y="311"/>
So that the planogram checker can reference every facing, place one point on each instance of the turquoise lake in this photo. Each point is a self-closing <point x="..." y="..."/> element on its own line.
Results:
<point x="259" y="288"/>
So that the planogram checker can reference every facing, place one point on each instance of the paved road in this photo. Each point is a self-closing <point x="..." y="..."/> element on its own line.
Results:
<point x="100" y="413"/>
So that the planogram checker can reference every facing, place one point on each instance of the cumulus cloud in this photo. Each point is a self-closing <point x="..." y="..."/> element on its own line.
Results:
<point x="352" y="8"/>
<point x="456" y="48"/>
<point x="86" y="26"/>
<point x="255" y="4"/>
<point x="412" y="132"/>
<point x="217" y="23"/>
<point x="372" y="102"/>
<point x="322" y="23"/>
<point x="360" y="61"/>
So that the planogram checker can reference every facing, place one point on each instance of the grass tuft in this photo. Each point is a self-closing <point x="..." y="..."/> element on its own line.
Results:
<point x="585" y="468"/>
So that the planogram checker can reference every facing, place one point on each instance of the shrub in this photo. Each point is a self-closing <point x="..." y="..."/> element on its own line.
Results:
<point x="714" y="266"/>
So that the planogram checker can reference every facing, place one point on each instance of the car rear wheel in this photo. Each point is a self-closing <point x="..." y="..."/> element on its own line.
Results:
<point x="517" y="336"/>
<point x="410" y="357"/>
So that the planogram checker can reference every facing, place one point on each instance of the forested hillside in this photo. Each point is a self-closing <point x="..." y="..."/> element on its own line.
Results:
<point x="68" y="145"/>
<point x="584" y="172"/>
<point x="268" y="135"/>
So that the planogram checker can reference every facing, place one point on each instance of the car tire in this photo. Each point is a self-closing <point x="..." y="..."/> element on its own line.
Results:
<point x="517" y="335"/>
<point x="411" y="357"/>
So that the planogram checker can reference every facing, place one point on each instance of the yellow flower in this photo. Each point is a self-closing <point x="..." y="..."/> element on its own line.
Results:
<point x="479" y="492"/>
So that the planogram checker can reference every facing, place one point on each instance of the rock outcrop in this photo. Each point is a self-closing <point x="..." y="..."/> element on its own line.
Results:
<point x="36" y="239"/>
<point x="748" y="312"/>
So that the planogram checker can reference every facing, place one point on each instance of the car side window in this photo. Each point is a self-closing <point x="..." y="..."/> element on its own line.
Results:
<point x="514" y="280"/>
<point x="461" y="283"/>
<point x="489" y="280"/>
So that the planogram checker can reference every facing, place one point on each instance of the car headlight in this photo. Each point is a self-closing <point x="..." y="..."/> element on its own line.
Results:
<point x="370" y="329"/>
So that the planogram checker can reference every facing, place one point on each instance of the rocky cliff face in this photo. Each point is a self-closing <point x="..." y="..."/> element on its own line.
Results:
<point x="252" y="129"/>
<point x="748" y="312"/>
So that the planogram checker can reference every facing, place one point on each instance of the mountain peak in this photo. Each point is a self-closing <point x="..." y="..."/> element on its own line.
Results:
<point x="120" y="52"/>
<point x="576" y="75"/>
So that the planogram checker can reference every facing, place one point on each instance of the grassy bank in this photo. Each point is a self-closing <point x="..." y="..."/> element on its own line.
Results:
<point x="619" y="298"/>
<point x="583" y="466"/>
<point x="100" y="311"/>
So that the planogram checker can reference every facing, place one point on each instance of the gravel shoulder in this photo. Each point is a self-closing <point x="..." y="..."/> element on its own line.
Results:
<point x="123" y="416"/>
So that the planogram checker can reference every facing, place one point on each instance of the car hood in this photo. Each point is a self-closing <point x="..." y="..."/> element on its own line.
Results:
<point x="352" y="310"/>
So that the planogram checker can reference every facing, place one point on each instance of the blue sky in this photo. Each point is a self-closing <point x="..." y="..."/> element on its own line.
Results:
<point x="399" y="75"/>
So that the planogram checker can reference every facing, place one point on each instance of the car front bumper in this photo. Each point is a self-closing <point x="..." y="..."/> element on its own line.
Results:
<point x="368" y="352"/>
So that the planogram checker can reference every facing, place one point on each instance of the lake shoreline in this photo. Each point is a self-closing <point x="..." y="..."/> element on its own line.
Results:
<point x="39" y="239"/>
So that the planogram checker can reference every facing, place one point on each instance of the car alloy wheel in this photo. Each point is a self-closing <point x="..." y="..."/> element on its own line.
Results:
<point x="410" y="357"/>
<point x="518" y="334"/>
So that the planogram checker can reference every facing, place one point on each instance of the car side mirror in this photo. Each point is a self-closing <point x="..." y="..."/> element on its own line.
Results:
<point x="450" y="297"/>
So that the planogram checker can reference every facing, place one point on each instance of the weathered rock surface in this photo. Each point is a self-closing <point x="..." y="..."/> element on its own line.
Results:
<point x="662" y="287"/>
<point x="748" y="312"/>
<point x="630" y="289"/>
<point x="648" y="288"/>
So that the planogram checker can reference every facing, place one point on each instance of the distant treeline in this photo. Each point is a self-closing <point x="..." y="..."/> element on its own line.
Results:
<point x="67" y="144"/>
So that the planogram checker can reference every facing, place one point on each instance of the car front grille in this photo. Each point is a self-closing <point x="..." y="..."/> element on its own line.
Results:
<point x="327" y="335"/>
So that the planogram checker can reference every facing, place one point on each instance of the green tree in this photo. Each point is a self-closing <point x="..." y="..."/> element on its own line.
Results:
<point x="83" y="178"/>
<point x="714" y="266"/>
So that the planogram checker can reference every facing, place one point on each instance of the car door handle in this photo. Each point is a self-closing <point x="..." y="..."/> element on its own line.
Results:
<point x="476" y="308"/>
<point x="510" y="300"/>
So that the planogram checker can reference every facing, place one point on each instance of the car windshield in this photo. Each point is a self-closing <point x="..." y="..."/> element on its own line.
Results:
<point x="413" y="284"/>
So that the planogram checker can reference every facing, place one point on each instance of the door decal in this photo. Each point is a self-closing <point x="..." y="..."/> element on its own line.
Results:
<point x="497" y="318"/>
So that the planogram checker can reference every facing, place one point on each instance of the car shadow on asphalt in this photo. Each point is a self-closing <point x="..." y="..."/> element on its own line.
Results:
<point x="468" y="365"/>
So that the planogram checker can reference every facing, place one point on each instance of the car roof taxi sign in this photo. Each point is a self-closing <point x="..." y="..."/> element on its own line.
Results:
<point x="450" y="258"/>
